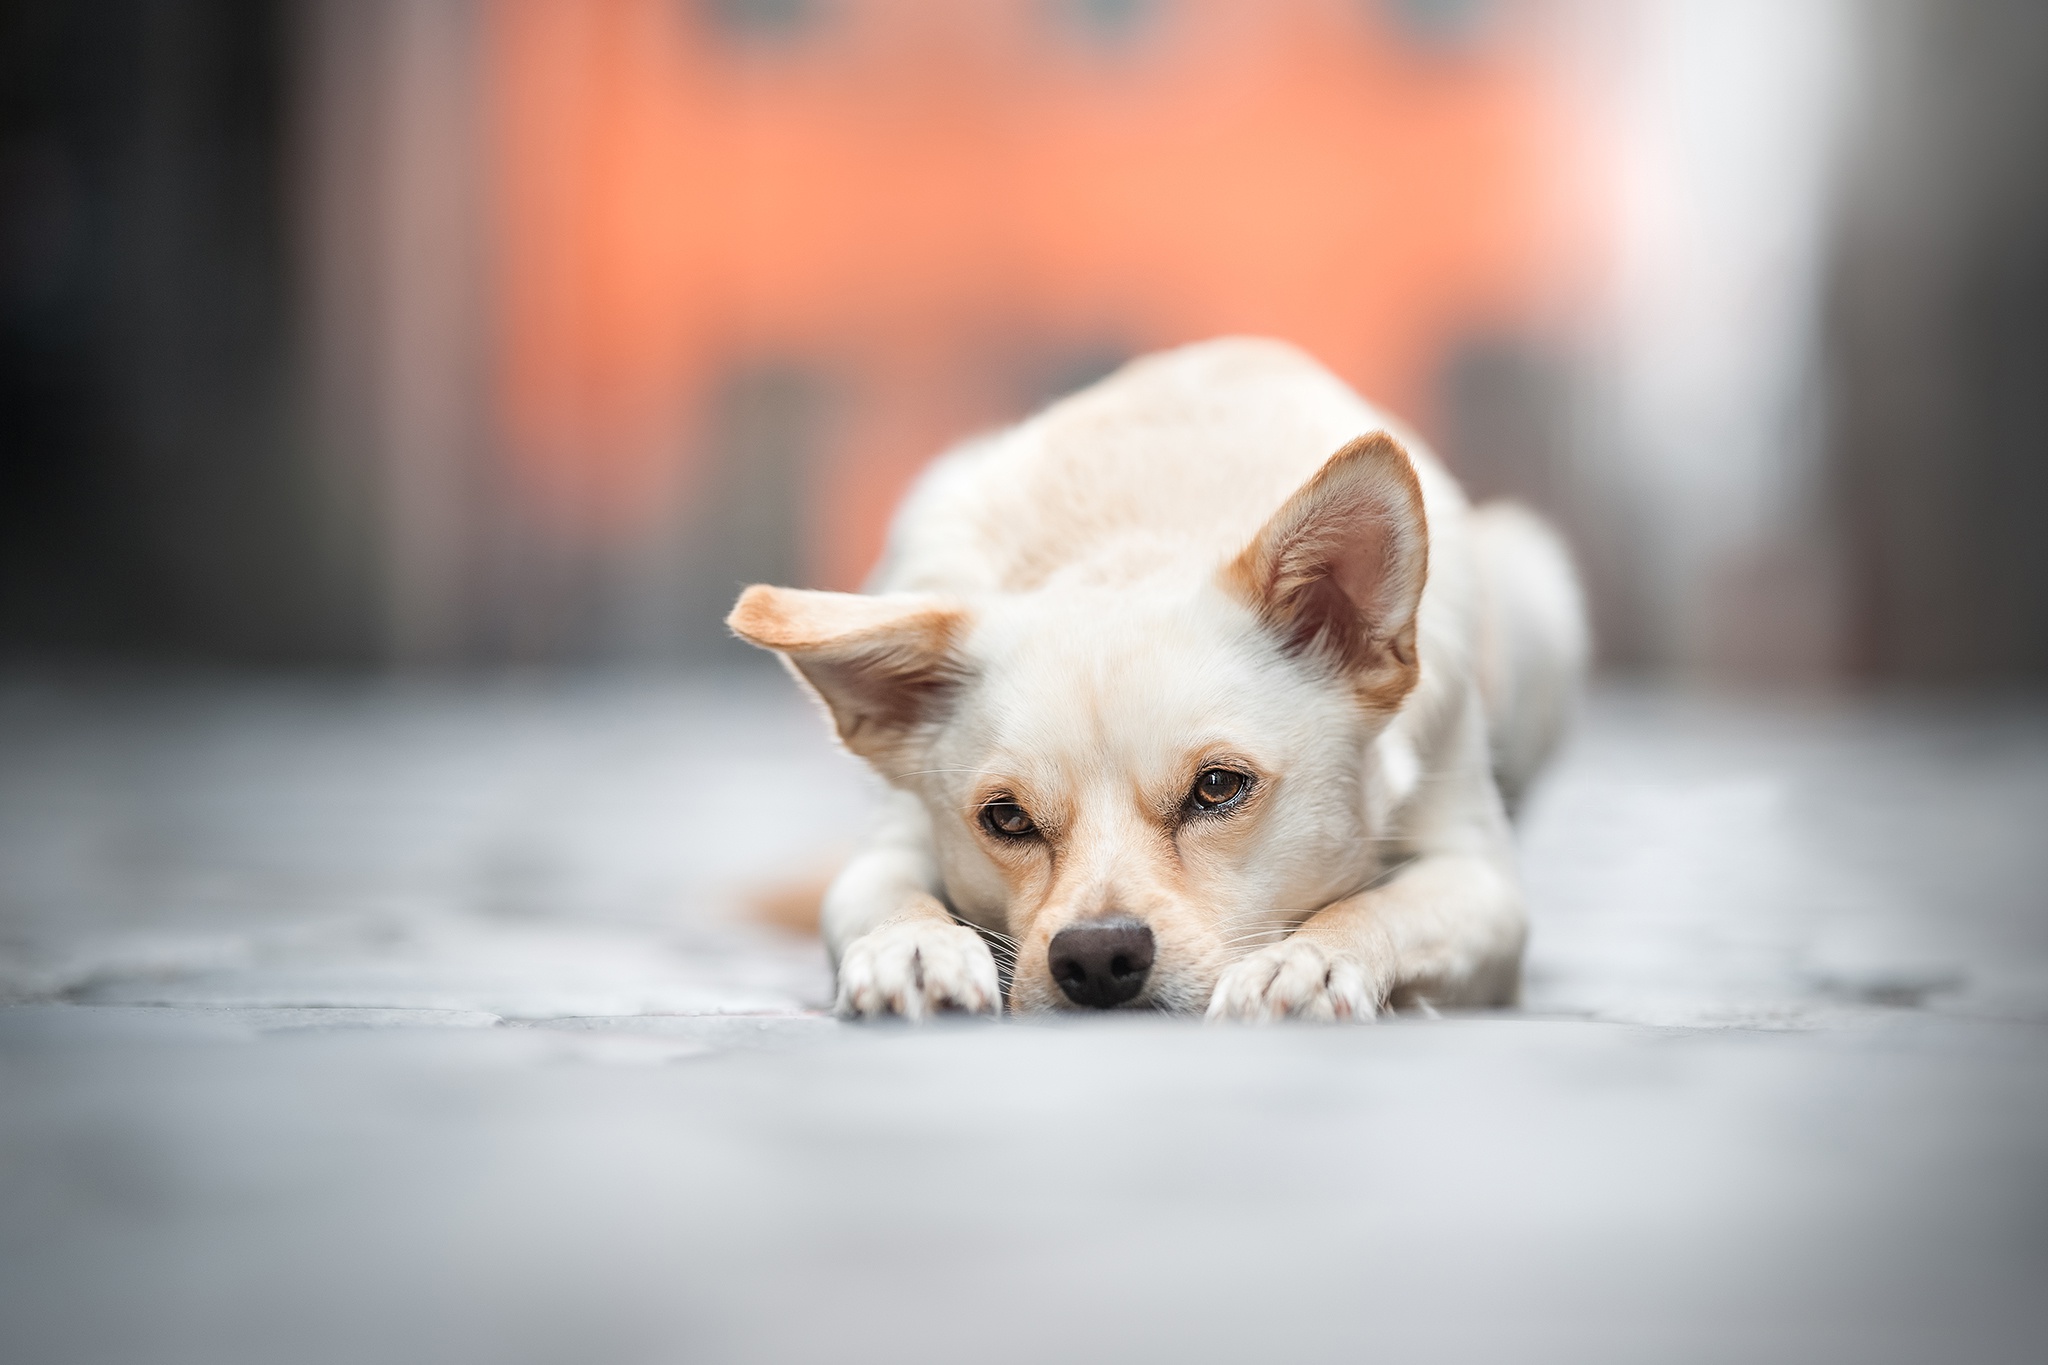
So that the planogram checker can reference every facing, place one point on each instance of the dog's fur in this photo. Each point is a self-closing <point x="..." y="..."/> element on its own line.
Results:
<point x="1217" y="557"/>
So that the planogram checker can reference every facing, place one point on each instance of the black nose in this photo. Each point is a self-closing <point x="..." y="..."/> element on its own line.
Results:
<point x="1101" y="963"/>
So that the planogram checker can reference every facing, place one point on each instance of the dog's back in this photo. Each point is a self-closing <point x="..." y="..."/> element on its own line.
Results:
<point x="1179" y="456"/>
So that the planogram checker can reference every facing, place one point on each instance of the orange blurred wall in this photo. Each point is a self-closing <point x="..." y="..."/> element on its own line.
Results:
<point x="897" y="191"/>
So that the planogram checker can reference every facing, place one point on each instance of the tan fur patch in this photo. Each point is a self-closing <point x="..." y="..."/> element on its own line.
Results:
<point x="791" y="906"/>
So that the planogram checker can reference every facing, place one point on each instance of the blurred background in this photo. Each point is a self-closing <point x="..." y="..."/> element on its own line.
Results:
<point x="467" y="332"/>
<point x="395" y="393"/>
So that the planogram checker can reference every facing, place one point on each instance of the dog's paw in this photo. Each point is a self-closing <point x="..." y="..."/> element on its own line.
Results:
<point x="1295" y="979"/>
<point x="915" y="969"/>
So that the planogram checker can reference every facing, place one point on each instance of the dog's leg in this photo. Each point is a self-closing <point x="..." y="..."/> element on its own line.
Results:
<point x="1446" y="930"/>
<point x="896" y="949"/>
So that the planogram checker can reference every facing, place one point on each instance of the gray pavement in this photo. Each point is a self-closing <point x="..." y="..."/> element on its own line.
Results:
<point x="347" y="1021"/>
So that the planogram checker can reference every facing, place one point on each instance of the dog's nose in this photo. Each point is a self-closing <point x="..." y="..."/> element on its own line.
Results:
<point x="1101" y="963"/>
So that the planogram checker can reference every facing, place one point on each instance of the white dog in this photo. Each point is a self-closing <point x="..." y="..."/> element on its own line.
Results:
<point x="1197" y="691"/>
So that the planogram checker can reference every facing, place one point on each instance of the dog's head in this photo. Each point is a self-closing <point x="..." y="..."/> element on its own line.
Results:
<point x="1141" y="783"/>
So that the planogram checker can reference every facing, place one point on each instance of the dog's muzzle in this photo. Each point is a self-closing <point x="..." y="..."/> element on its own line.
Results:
<point x="1102" y="963"/>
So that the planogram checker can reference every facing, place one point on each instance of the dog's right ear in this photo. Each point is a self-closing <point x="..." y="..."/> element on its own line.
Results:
<point x="882" y="665"/>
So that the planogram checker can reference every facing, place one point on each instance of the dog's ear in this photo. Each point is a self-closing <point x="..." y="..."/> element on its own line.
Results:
<point x="1338" y="570"/>
<point x="882" y="665"/>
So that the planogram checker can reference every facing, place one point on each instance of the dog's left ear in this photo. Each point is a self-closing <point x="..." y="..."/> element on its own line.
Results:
<point x="883" y="665"/>
<point x="1338" y="570"/>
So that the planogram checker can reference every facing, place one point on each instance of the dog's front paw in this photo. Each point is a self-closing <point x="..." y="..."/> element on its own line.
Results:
<point x="1295" y="979"/>
<point x="917" y="968"/>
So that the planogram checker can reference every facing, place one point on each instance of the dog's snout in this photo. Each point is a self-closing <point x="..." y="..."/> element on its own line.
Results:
<point x="1101" y="963"/>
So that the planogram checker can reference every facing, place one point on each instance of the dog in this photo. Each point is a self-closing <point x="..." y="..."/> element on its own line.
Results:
<point x="1204" y="690"/>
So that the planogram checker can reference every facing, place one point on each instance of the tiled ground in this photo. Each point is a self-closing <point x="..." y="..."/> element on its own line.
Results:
<point x="405" y="1022"/>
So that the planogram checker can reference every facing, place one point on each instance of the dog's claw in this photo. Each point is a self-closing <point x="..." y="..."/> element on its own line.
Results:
<point x="916" y="969"/>
<point x="1295" y="979"/>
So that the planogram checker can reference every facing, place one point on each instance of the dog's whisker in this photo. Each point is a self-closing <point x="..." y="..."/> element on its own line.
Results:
<point x="1258" y="942"/>
<point x="1250" y="936"/>
<point x="1286" y="914"/>
<point x="1266" y="923"/>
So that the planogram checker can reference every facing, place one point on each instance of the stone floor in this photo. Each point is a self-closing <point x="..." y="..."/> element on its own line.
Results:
<point x="346" y="1021"/>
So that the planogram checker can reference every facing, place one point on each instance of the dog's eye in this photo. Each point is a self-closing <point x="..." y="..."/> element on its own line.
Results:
<point x="1006" y="820"/>
<point x="1219" y="788"/>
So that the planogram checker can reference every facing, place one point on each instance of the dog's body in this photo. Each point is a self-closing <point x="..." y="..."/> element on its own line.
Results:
<point x="1191" y="692"/>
